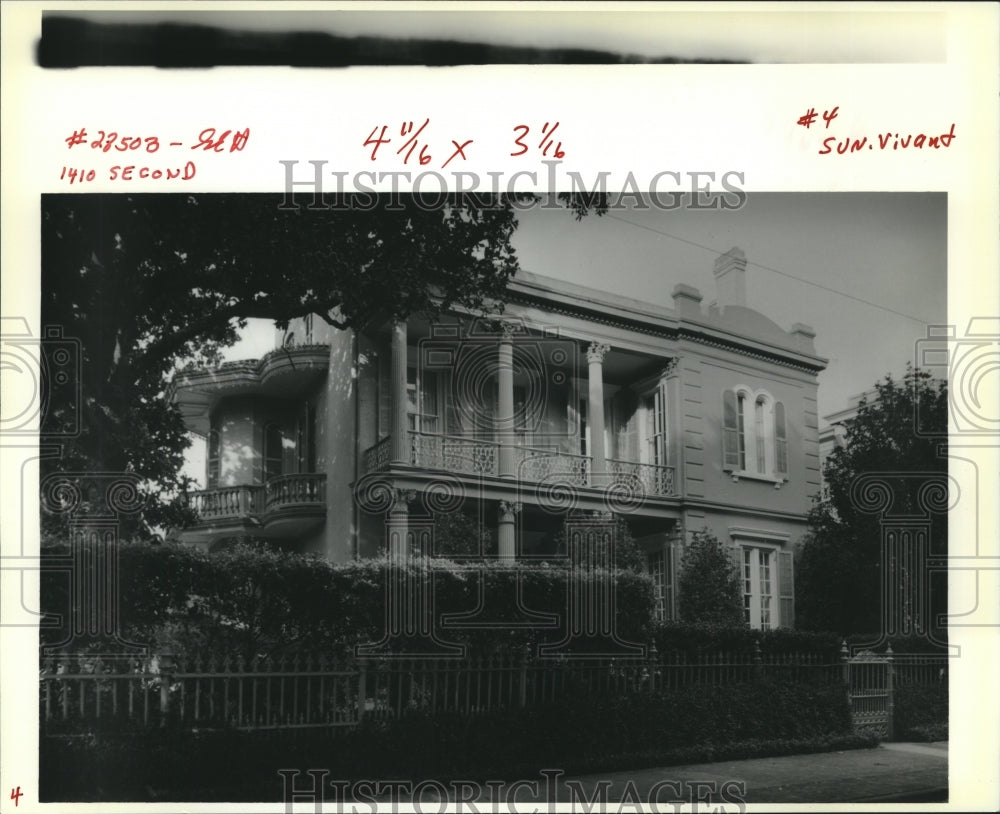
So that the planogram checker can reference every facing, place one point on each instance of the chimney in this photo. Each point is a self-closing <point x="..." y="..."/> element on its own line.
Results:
<point x="730" y="278"/>
<point x="687" y="300"/>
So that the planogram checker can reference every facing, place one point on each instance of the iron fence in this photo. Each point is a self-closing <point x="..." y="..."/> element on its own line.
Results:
<point x="318" y="691"/>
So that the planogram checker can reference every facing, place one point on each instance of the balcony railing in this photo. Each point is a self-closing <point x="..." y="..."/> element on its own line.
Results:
<point x="537" y="465"/>
<point x="294" y="490"/>
<point x="244" y="502"/>
<point x="454" y="454"/>
<point x="655" y="480"/>
<point x="473" y="456"/>
<point x="227" y="502"/>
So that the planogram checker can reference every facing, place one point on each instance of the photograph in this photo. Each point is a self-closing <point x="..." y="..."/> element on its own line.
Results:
<point x="473" y="471"/>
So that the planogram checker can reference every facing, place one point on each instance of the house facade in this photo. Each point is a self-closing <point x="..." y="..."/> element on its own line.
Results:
<point x="572" y="402"/>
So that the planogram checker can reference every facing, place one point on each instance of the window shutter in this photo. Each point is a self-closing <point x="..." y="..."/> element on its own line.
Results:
<point x="730" y="431"/>
<point x="780" y="440"/>
<point x="786" y="590"/>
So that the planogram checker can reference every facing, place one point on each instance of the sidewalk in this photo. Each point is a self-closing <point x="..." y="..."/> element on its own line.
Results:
<point x="891" y="772"/>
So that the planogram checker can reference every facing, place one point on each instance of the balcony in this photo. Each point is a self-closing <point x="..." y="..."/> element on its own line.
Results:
<point x="471" y="456"/>
<point x="284" y="506"/>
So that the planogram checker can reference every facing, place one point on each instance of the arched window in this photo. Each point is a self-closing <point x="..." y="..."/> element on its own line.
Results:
<point x="273" y="450"/>
<point x="754" y="433"/>
<point x="214" y="446"/>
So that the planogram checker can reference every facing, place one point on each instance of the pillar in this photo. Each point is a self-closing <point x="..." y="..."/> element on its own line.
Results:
<point x="400" y="451"/>
<point x="397" y="526"/>
<point x="507" y="531"/>
<point x="505" y="403"/>
<point x="595" y="412"/>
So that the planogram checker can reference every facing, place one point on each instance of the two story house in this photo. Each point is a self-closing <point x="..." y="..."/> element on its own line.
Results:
<point x="574" y="401"/>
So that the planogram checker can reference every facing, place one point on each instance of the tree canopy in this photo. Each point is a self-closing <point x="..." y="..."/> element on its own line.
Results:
<point x="839" y="575"/>
<point x="147" y="283"/>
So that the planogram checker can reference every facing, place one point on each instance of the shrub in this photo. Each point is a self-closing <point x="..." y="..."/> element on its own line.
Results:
<point x="709" y="583"/>
<point x="253" y="601"/>
<point x="921" y="712"/>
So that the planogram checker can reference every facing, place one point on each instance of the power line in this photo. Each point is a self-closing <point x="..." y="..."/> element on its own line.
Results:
<point x="774" y="270"/>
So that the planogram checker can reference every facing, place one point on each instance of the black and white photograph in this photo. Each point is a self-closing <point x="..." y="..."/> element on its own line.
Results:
<point x="382" y="460"/>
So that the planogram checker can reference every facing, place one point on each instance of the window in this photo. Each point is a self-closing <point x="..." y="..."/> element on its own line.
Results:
<point x="766" y="575"/>
<point x="422" y="401"/>
<point x="306" y="439"/>
<point x="273" y="450"/>
<point x="757" y="596"/>
<point x="659" y="570"/>
<point x="754" y="436"/>
<point x="308" y="324"/>
<point x="214" y="446"/>
<point x="654" y="446"/>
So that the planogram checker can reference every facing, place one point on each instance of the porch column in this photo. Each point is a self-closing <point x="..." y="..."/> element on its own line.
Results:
<point x="505" y="403"/>
<point x="400" y="449"/>
<point x="507" y="531"/>
<point x="595" y="412"/>
<point x="397" y="526"/>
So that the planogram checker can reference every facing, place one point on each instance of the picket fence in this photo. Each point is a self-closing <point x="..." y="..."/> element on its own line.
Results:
<point x="318" y="691"/>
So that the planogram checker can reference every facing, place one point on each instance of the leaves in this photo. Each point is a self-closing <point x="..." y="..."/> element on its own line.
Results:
<point x="709" y="584"/>
<point x="839" y="579"/>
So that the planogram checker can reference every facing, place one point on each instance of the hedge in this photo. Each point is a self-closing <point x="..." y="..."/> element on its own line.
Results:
<point x="257" y="601"/>
<point x="576" y="735"/>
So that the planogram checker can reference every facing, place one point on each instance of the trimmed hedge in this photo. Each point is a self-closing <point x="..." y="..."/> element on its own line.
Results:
<point x="921" y="712"/>
<point x="577" y="735"/>
<point x="256" y="601"/>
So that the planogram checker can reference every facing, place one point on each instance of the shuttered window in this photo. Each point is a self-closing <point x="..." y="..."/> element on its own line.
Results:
<point x="780" y="440"/>
<point x="731" y="441"/>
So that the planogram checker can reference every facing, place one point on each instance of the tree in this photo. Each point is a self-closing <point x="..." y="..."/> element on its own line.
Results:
<point x="839" y="574"/>
<point x="709" y="583"/>
<point x="148" y="283"/>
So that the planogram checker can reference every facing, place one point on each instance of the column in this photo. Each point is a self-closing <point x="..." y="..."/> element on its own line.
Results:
<point x="507" y="531"/>
<point x="397" y="526"/>
<point x="505" y="403"/>
<point x="400" y="449"/>
<point x="595" y="412"/>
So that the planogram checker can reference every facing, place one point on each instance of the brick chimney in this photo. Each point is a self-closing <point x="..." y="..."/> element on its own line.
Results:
<point x="730" y="278"/>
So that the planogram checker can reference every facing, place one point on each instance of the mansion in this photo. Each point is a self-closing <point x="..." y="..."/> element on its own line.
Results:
<point x="574" y="401"/>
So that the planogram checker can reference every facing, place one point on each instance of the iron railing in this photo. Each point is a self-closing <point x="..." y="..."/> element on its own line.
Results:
<point x="319" y="691"/>
<point x="474" y="456"/>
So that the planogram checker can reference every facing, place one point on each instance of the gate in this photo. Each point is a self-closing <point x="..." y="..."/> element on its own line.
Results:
<point x="869" y="679"/>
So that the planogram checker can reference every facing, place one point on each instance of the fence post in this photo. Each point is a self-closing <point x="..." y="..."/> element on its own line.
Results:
<point x="362" y="687"/>
<point x="845" y="673"/>
<point x="758" y="661"/>
<point x="890" y="681"/>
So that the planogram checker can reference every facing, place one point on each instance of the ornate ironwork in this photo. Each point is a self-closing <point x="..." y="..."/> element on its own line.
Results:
<point x="454" y="454"/>
<point x="657" y="480"/>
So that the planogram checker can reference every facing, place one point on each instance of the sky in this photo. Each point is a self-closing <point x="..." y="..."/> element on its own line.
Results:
<point x="867" y="271"/>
